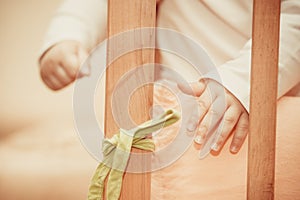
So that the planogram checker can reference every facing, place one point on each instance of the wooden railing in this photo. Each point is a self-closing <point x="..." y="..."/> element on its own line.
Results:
<point x="124" y="15"/>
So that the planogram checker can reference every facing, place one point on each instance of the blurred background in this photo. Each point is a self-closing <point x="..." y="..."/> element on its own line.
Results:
<point x="40" y="154"/>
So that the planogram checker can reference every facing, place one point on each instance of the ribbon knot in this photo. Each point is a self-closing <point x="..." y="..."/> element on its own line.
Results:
<point x="116" y="152"/>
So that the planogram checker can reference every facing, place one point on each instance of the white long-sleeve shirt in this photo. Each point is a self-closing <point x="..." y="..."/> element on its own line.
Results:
<point x="222" y="28"/>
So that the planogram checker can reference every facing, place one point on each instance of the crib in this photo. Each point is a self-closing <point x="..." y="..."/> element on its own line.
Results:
<point x="61" y="169"/>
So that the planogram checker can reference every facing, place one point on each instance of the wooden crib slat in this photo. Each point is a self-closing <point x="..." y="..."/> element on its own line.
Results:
<point x="124" y="15"/>
<point x="264" y="73"/>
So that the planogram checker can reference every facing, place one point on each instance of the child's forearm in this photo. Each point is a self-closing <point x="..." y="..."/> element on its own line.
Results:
<point x="235" y="74"/>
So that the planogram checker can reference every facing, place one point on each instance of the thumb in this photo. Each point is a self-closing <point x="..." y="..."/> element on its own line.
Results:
<point x="194" y="89"/>
<point x="84" y="68"/>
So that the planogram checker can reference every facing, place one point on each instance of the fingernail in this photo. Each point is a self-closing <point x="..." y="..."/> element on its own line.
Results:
<point x="202" y="130"/>
<point x="191" y="126"/>
<point x="201" y="85"/>
<point x="82" y="54"/>
<point x="215" y="147"/>
<point x="234" y="149"/>
<point x="85" y="71"/>
<point x="198" y="139"/>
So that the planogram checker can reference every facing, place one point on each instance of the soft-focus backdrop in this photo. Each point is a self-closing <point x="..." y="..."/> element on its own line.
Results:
<point x="40" y="154"/>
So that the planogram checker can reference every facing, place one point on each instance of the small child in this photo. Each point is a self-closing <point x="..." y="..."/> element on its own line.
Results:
<point x="223" y="28"/>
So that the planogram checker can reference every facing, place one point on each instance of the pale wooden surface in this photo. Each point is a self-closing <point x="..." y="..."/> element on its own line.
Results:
<point x="262" y="136"/>
<point x="124" y="15"/>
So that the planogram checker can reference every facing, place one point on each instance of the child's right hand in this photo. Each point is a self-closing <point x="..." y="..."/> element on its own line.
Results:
<point x="59" y="66"/>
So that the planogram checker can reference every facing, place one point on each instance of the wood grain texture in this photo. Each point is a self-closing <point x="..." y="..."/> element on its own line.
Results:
<point x="264" y="75"/>
<point x="124" y="15"/>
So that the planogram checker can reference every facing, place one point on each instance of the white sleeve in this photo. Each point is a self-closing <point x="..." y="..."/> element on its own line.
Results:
<point x="235" y="74"/>
<point x="80" y="20"/>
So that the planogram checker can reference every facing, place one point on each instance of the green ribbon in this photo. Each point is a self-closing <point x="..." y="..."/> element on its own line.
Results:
<point x="116" y="152"/>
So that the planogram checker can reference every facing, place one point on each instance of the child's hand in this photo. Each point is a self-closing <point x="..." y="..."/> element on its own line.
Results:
<point x="60" y="65"/>
<point x="218" y="107"/>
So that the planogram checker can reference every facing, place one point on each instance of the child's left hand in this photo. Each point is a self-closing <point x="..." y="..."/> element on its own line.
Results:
<point x="218" y="107"/>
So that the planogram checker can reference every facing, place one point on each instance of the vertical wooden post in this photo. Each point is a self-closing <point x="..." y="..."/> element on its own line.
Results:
<point x="264" y="75"/>
<point x="124" y="15"/>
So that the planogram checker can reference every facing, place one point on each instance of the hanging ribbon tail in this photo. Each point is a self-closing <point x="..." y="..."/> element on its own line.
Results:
<point x="96" y="190"/>
<point x="116" y="151"/>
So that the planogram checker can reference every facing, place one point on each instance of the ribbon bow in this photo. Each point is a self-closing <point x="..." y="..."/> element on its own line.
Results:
<point x="116" y="152"/>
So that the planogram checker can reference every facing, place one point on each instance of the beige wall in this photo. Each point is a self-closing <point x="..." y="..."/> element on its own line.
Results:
<point x="40" y="154"/>
<point x="23" y="96"/>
